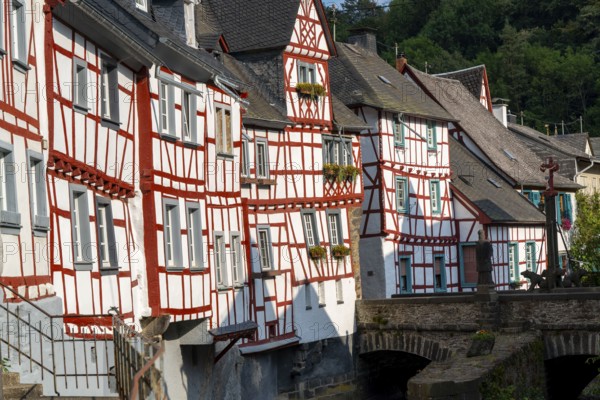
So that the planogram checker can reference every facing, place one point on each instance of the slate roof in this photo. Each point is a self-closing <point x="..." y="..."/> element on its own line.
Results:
<point x="251" y="25"/>
<point x="344" y="118"/>
<point x="576" y="140"/>
<point x="499" y="145"/>
<point x="474" y="180"/>
<point x="595" y="143"/>
<point x="471" y="78"/>
<point x="361" y="78"/>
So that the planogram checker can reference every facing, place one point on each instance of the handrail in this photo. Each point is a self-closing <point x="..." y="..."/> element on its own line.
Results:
<point x="142" y="371"/>
<point x="26" y="300"/>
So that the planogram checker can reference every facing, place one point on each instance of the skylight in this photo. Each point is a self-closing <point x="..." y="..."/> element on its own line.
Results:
<point x="384" y="79"/>
<point x="141" y="5"/>
<point x="494" y="182"/>
<point x="510" y="155"/>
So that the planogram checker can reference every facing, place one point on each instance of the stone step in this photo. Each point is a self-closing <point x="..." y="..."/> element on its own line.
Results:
<point x="10" y="379"/>
<point x="18" y="392"/>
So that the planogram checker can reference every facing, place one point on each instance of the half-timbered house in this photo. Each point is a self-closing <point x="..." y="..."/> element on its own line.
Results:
<point x="408" y="237"/>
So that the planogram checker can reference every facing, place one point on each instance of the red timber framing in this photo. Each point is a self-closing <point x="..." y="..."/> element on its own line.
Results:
<point x="25" y="262"/>
<point x="92" y="168"/>
<point x="412" y="237"/>
<point x="293" y="295"/>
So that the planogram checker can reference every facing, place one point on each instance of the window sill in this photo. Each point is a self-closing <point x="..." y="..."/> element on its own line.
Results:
<point x="258" y="181"/>
<point x="221" y="288"/>
<point x="322" y="305"/>
<point x="10" y="229"/>
<point x="431" y="150"/>
<point x="309" y="307"/>
<point x="225" y="156"/>
<point x="168" y="136"/>
<point x="107" y="271"/>
<point x="340" y="301"/>
<point x="40" y="231"/>
<point x="191" y="144"/>
<point x="400" y="146"/>
<point x="175" y="269"/>
<point x="83" y="265"/>
<point x="110" y="124"/>
<point x="266" y="274"/>
<point x="80" y="109"/>
<point x="197" y="270"/>
<point x="20" y="65"/>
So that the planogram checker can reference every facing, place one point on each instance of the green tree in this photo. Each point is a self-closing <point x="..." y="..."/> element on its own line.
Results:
<point x="585" y="244"/>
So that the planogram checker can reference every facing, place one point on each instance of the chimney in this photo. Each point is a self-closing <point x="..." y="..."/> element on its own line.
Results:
<point x="401" y="61"/>
<point x="190" y="22"/>
<point x="365" y="38"/>
<point x="500" y="113"/>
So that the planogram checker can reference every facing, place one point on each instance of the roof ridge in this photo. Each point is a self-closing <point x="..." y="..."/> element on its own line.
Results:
<point x="460" y="70"/>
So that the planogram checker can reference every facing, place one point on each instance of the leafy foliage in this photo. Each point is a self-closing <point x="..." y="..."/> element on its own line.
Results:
<point x="542" y="55"/>
<point x="585" y="243"/>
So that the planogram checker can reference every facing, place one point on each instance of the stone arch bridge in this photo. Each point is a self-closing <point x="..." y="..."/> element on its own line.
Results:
<point x="542" y="342"/>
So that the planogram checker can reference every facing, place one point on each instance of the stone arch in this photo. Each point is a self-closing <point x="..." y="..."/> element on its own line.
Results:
<point x="412" y="343"/>
<point x="571" y="344"/>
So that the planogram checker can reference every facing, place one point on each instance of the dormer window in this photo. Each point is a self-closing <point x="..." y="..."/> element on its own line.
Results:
<point x="141" y="5"/>
<point x="306" y="73"/>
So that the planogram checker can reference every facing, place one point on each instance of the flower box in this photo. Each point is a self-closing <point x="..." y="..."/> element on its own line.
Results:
<point x="317" y="252"/>
<point x="340" y="251"/>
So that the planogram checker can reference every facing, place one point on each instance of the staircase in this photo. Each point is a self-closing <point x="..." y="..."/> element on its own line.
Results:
<point x="13" y="389"/>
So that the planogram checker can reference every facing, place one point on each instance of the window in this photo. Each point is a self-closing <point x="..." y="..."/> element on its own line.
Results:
<point x="194" y="236"/>
<point x="434" y="193"/>
<point x="308" y="296"/>
<point x="237" y="273"/>
<point x="439" y="273"/>
<point x="306" y="73"/>
<point x="107" y="246"/>
<point x="398" y="128"/>
<point x="223" y="131"/>
<point x="339" y="291"/>
<point x="431" y="135"/>
<point x="401" y="195"/>
<point x="220" y="260"/>
<point x="513" y="262"/>
<point x="271" y="329"/>
<point x="468" y="264"/>
<point x="141" y="5"/>
<point x="530" y="259"/>
<point x="563" y="207"/>
<point x="37" y="192"/>
<point x="18" y="31"/>
<point x="245" y="164"/>
<point x="80" y="228"/>
<point x="337" y="150"/>
<point x="310" y="232"/>
<point x="265" y="248"/>
<point x="10" y="219"/>
<point x="172" y="234"/>
<point x="109" y="90"/>
<point x="533" y="197"/>
<point x="334" y="224"/>
<point x="188" y="116"/>
<point x="322" y="301"/>
<point x="262" y="159"/>
<point x="80" y="84"/>
<point x="166" y="106"/>
<point x="404" y="275"/>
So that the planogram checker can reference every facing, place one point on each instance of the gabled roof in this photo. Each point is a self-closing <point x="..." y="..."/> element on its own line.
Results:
<point x="488" y="191"/>
<point x="497" y="143"/>
<point x="253" y="25"/>
<point x="595" y="143"/>
<point x="359" y="77"/>
<point x="578" y="141"/>
<point x="344" y="118"/>
<point x="555" y="143"/>
<point x="471" y="78"/>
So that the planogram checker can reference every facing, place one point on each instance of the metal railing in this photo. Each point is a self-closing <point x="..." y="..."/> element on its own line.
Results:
<point x="35" y="342"/>
<point x="136" y="358"/>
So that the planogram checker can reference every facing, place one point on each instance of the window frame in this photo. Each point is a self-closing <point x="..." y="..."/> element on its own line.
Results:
<point x="172" y="206"/>
<point x="514" y="268"/>
<point x="245" y="158"/>
<point x="237" y="269"/>
<point x="191" y="122"/>
<point x="443" y="287"/>
<point x="18" y="34"/>
<point x="194" y="240"/>
<point x="10" y="218"/>
<point x="398" y="130"/>
<point x="344" y="150"/>
<point x="224" y="151"/>
<point x="401" y="180"/>
<point x="109" y="94"/>
<point x="40" y="220"/>
<point x="438" y="209"/>
<point x="220" y="253"/>
<point x="79" y="89"/>
<point x="314" y="227"/>
<point x="262" y="142"/>
<point x="112" y="262"/>
<point x="141" y="5"/>
<point x="409" y="279"/>
<point x="431" y="138"/>
<point x="337" y="215"/>
<point x="80" y="227"/>
<point x="530" y="249"/>
<point x="166" y="109"/>
<point x="461" y="255"/>
<point x="309" y="67"/>
<point x="339" y="291"/>
<point x="268" y="251"/>
<point x="321" y="294"/>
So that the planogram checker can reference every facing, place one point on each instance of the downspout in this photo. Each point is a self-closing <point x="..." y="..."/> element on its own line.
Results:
<point x="224" y="85"/>
<point x="577" y="174"/>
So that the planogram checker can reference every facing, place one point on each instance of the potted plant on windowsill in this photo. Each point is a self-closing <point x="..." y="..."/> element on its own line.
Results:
<point x="331" y="172"/>
<point x="351" y="172"/>
<point x="340" y="251"/>
<point x="482" y="343"/>
<point x="317" y="252"/>
<point x="312" y="90"/>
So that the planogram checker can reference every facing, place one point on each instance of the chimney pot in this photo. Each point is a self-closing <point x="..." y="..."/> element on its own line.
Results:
<point x="365" y="38"/>
<point x="401" y="62"/>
